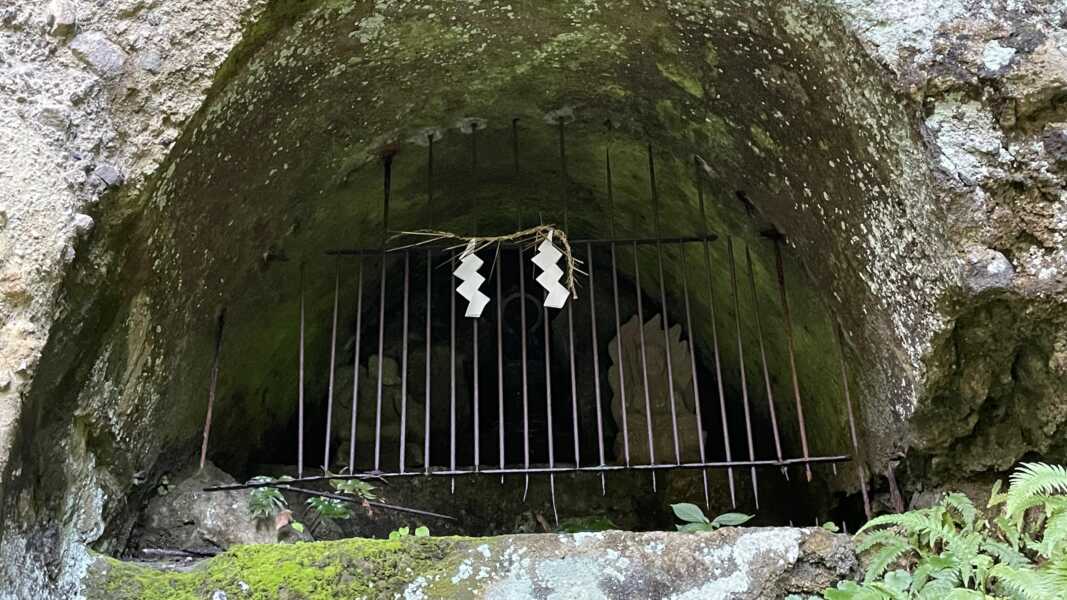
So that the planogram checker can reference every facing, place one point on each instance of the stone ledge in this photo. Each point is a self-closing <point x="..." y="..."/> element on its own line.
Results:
<point x="733" y="563"/>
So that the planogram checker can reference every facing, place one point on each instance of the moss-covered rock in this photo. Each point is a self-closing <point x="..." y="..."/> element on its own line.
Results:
<point x="735" y="563"/>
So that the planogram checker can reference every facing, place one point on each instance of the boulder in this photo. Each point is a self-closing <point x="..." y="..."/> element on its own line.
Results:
<point x="188" y="518"/>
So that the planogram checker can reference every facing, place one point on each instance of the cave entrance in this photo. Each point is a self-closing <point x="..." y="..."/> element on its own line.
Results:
<point x="624" y="383"/>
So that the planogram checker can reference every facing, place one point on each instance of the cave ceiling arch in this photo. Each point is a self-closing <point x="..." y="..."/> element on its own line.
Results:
<point x="775" y="100"/>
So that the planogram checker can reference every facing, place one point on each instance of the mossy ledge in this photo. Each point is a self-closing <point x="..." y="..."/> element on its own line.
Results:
<point x="744" y="563"/>
<point x="352" y="568"/>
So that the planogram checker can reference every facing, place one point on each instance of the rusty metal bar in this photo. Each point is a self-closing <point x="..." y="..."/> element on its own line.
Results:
<point x="779" y="263"/>
<point x="693" y="366"/>
<point x="575" y="242"/>
<point x="618" y="316"/>
<point x="715" y="332"/>
<point x="220" y="323"/>
<point x="429" y="358"/>
<point x="476" y="409"/>
<point x="761" y="464"/>
<point x="300" y="396"/>
<point x="381" y="362"/>
<point x="404" y="364"/>
<point x="525" y="386"/>
<point x="570" y="305"/>
<point x="763" y="358"/>
<point x="429" y="178"/>
<point x="644" y="364"/>
<point x="548" y="408"/>
<point x="663" y="305"/>
<point x="596" y="366"/>
<point x="360" y="501"/>
<point x="741" y="368"/>
<point x="388" y="164"/>
<point x="355" y="371"/>
<point x="452" y="373"/>
<point x="333" y="359"/>
<point x="861" y="470"/>
<point x="499" y="267"/>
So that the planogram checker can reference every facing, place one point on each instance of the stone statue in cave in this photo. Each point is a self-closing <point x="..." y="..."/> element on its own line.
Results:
<point x="366" y="416"/>
<point x="658" y="396"/>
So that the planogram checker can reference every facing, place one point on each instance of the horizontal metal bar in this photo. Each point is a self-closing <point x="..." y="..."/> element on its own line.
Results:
<point x="444" y="245"/>
<point x="360" y="501"/>
<point x="520" y="470"/>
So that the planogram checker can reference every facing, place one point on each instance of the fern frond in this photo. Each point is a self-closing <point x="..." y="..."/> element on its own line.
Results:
<point x="878" y="538"/>
<point x="1054" y="536"/>
<point x="1004" y="553"/>
<point x="1056" y="572"/>
<point x="883" y="558"/>
<point x="1024" y="582"/>
<point x="1032" y="479"/>
<point x="962" y="505"/>
<point x="913" y="523"/>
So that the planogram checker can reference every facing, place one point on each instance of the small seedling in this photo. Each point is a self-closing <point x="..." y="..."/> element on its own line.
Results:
<point x="420" y="532"/>
<point x="696" y="521"/>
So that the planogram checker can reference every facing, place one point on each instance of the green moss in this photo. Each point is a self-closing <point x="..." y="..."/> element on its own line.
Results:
<point x="764" y="139"/>
<point x="353" y="568"/>
<point x="685" y="79"/>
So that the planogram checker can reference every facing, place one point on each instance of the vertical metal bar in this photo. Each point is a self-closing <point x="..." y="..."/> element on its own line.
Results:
<point x="741" y="367"/>
<point x="404" y="365"/>
<point x="570" y="305"/>
<point x="525" y="380"/>
<point x="381" y="362"/>
<point x="618" y="316"/>
<point x="429" y="356"/>
<point x="474" y="358"/>
<point x="779" y="263"/>
<point x="548" y="408"/>
<point x="333" y="358"/>
<point x="596" y="367"/>
<point x="212" y="386"/>
<point x="300" y="396"/>
<point x="429" y="289"/>
<point x="388" y="164"/>
<point x="715" y="333"/>
<point x="499" y="353"/>
<point x="355" y="372"/>
<point x="763" y="360"/>
<point x="693" y="366"/>
<point x="644" y="364"/>
<point x="861" y="470"/>
<point x="663" y="304"/>
<point x="452" y="377"/>
<point x="429" y="179"/>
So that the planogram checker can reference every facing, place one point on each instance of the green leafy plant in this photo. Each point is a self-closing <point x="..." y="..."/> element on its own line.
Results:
<point x="696" y="521"/>
<point x="354" y="487"/>
<point x="420" y="532"/>
<point x="265" y="502"/>
<point x="329" y="508"/>
<point x="951" y="551"/>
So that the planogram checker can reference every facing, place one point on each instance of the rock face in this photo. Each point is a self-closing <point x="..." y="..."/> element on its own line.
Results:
<point x="731" y="564"/>
<point x="188" y="518"/>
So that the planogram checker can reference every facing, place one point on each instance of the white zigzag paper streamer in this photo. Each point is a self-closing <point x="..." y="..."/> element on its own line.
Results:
<point x="467" y="272"/>
<point x="547" y="258"/>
